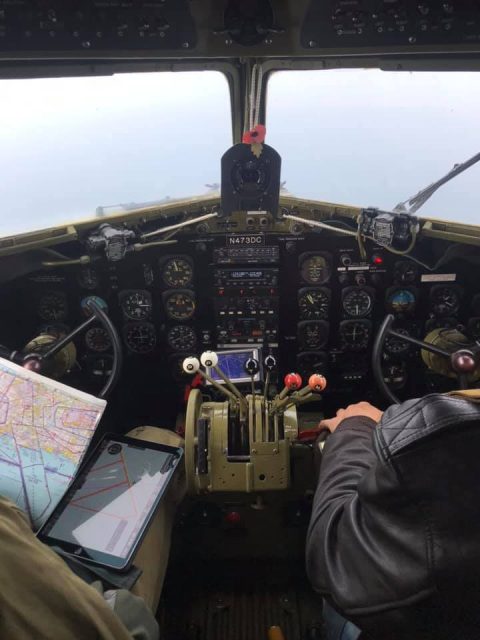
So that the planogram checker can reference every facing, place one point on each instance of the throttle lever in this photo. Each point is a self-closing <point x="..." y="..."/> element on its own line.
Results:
<point x="191" y="365"/>
<point x="270" y="364"/>
<point x="209" y="359"/>
<point x="252" y="367"/>
<point x="293" y="382"/>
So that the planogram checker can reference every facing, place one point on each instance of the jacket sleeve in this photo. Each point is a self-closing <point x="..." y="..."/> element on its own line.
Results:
<point x="360" y="552"/>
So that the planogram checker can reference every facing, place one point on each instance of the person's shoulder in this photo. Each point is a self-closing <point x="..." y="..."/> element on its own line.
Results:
<point x="417" y="419"/>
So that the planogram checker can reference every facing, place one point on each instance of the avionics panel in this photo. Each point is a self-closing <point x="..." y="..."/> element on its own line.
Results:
<point x="246" y="296"/>
<point x="232" y="364"/>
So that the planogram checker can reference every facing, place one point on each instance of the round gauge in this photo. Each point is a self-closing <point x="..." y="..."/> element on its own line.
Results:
<point x="355" y="335"/>
<point x="53" y="306"/>
<point x="97" y="339"/>
<point x="357" y="302"/>
<point x="397" y="346"/>
<point x="180" y="305"/>
<point x="474" y="328"/>
<point x="445" y="300"/>
<point x="315" y="269"/>
<point x="401" y="301"/>
<point x="88" y="279"/>
<point x="177" y="272"/>
<point x="313" y="303"/>
<point x="310" y="362"/>
<point x="136" y="305"/>
<point x="405" y="272"/>
<point x="99" y="301"/>
<point x="181" y="338"/>
<point x="140" y="337"/>
<point x="312" y="335"/>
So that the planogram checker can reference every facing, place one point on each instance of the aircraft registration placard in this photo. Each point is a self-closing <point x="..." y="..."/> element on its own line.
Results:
<point x="45" y="430"/>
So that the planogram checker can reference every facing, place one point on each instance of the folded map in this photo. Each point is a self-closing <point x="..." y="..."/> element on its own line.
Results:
<point x="45" y="430"/>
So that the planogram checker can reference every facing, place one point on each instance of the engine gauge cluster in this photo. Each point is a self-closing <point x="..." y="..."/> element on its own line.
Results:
<point x="179" y="302"/>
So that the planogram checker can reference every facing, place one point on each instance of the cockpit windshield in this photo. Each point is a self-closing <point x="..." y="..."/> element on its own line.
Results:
<point x="368" y="137"/>
<point x="73" y="148"/>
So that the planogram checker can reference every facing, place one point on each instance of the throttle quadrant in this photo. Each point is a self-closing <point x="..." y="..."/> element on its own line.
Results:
<point x="243" y="443"/>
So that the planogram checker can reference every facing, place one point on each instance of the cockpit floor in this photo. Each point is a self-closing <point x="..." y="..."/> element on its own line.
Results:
<point x="233" y="602"/>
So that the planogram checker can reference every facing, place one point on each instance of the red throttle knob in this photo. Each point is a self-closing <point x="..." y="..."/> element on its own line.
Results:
<point x="293" y="381"/>
<point x="317" y="382"/>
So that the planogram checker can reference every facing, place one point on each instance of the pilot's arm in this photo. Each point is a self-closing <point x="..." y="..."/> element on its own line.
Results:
<point x="360" y="555"/>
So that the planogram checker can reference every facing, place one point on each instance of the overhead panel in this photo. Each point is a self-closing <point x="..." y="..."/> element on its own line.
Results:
<point x="390" y="23"/>
<point x="95" y="25"/>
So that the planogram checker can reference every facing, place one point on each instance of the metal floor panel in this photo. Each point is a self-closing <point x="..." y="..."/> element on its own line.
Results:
<point x="237" y="608"/>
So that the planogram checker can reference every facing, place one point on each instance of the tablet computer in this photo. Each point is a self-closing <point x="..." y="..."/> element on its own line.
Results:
<point x="106" y="511"/>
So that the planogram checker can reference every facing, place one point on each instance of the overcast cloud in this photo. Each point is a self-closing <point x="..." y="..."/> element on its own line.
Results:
<point x="367" y="138"/>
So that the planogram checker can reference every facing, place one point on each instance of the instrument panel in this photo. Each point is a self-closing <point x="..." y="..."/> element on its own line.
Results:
<point x="310" y="300"/>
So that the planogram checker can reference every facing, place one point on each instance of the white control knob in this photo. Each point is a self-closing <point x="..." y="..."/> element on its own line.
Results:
<point x="191" y="365"/>
<point x="209" y="359"/>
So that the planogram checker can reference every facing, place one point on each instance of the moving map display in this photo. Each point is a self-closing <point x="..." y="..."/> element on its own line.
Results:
<point x="112" y="499"/>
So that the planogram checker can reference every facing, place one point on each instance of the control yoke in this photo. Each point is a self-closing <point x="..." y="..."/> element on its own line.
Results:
<point x="462" y="361"/>
<point x="54" y="357"/>
<point x="243" y="443"/>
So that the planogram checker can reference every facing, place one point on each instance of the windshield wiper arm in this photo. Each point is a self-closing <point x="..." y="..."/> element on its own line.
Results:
<point x="419" y="199"/>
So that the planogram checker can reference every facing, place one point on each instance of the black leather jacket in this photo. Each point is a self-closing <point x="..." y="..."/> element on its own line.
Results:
<point x="394" y="539"/>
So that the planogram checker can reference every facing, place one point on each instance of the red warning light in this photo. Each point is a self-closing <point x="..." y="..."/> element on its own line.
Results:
<point x="233" y="518"/>
<point x="378" y="260"/>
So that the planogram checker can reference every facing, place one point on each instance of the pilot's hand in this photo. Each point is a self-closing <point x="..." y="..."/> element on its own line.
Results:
<point x="361" y="409"/>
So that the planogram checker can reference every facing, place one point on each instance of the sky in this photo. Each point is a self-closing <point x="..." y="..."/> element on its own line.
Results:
<point x="360" y="137"/>
<point x="375" y="138"/>
<point x="70" y="145"/>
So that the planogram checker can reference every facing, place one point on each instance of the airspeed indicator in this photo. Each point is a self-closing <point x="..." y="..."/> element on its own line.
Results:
<point x="313" y="303"/>
<point x="357" y="302"/>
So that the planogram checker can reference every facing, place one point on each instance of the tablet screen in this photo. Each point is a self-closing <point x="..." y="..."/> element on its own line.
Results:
<point x="109" y="505"/>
